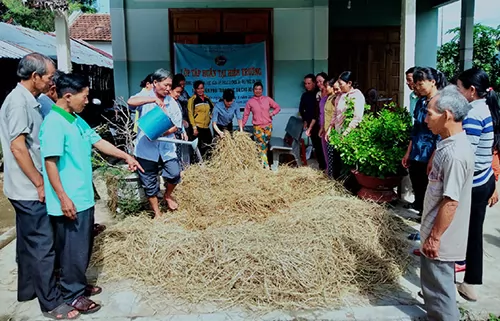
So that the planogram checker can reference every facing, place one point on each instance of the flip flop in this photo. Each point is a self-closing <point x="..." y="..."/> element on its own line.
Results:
<point x="91" y="290"/>
<point x="63" y="310"/>
<point x="417" y="252"/>
<point x="459" y="268"/>
<point x="83" y="305"/>
<point x="414" y="237"/>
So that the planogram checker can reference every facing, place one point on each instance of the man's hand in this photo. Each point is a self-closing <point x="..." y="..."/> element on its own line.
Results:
<point x="195" y="131"/>
<point x="308" y="132"/>
<point x="493" y="199"/>
<point x="41" y="192"/>
<point x="431" y="247"/>
<point x="429" y="167"/>
<point x="185" y="124"/>
<point x="67" y="207"/>
<point x="133" y="164"/>
<point x="221" y="134"/>
<point x="305" y="125"/>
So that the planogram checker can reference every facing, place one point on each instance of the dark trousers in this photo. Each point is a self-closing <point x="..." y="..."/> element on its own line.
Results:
<point x="419" y="181"/>
<point x="474" y="256"/>
<point x="334" y="162"/>
<point x="318" y="149"/>
<point x="35" y="255"/>
<point x="204" y="141"/>
<point x="74" y="242"/>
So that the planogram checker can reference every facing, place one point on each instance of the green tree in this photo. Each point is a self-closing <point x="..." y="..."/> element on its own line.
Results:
<point x="42" y="19"/>
<point x="486" y="53"/>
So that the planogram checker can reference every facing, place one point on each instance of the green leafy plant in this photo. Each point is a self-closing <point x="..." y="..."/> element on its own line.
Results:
<point x="378" y="144"/>
<point x="486" y="53"/>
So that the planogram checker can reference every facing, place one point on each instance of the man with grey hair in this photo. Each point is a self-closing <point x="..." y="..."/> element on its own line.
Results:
<point x="445" y="218"/>
<point x="20" y="121"/>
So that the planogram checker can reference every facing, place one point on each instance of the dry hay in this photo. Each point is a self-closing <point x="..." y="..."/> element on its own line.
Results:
<point x="258" y="239"/>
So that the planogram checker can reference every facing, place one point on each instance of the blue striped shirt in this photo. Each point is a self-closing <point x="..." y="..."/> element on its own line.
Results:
<point x="478" y="126"/>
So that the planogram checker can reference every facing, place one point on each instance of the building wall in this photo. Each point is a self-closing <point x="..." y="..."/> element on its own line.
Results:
<point x="141" y="43"/>
<point x="105" y="46"/>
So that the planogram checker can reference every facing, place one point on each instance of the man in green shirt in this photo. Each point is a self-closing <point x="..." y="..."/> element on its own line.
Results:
<point x="66" y="146"/>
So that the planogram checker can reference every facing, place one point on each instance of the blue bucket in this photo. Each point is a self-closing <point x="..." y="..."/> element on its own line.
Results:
<point x="155" y="123"/>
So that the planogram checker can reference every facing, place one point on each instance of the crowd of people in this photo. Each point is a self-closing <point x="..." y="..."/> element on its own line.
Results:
<point x="452" y="159"/>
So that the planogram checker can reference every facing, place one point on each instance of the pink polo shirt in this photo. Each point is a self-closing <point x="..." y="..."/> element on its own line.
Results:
<point x="261" y="111"/>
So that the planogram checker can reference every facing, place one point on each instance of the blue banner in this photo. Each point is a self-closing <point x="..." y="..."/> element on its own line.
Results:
<point x="236" y="67"/>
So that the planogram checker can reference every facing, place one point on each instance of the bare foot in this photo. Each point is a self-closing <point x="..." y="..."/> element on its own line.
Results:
<point x="158" y="215"/>
<point x="172" y="205"/>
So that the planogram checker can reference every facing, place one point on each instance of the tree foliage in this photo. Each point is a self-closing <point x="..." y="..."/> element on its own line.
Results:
<point x="38" y="15"/>
<point x="486" y="53"/>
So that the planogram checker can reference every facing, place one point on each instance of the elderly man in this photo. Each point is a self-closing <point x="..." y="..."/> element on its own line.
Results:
<point x="445" y="219"/>
<point x="20" y="121"/>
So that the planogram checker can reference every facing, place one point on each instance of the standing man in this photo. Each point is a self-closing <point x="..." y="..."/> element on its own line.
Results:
<point x="445" y="219"/>
<point x="413" y="95"/>
<point x="66" y="146"/>
<point x="20" y="121"/>
<point x="309" y="111"/>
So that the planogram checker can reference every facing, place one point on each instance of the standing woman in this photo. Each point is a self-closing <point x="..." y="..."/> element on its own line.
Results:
<point x="182" y="150"/>
<point x="427" y="82"/>
<point x="333" y="91"/>
<point x="482" y="126"/>
<point x="322" y="96"/>
<point x="350" y="97"/>
<point x="156" y="155"/>
<point x="263" y="109"/>
<point x="200" y="109"/>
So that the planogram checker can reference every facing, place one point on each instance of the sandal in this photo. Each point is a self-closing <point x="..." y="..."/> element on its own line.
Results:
<point x="414" y="236"/>
<point x="85" y="306"/>
<point x="91" y="290"/>
<point x="62" y="313"/>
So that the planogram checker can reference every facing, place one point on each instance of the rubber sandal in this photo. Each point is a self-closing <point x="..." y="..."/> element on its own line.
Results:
<point x="83" y="305"/>
<point x="417" y="252"/>
<point x="91" y="290"/>
<point x="459" y="268"/>
<point x="63" y="310"/>
<point x="414" y="237"/>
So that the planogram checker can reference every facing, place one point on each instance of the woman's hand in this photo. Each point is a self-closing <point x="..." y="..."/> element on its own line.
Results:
<point x="327" y="134"/>
<point x="159" y="102"/>
<point x="185" y="136"/>
<point x="406" y="160"/>
<point x="321" y="132"/>
<point x="195" y="131"/>
<point x="493" y="199"/>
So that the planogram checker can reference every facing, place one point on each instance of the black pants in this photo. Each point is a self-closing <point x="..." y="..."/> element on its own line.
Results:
<point x="334" y="162"/>
<point x="474" y="257"/>
<point x="205" y="141"/>
<point x="419" y="181"/>
<point x="74" y="243"/>
<point x="35" y="255"/>
<point x="318" y="149"/>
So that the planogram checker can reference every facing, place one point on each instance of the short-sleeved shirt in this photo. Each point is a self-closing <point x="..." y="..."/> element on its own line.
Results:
<point x="45" y="104"/>
<point x="451" y="176"/>
<point x="422" y="138"/>
<point x="68" y="137"/>
<point x="224" y="116"/>
<point x="20" y="115"/>
<point x="153" y="150"/>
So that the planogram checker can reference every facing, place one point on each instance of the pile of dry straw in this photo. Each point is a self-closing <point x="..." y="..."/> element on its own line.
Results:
<point x="250" y="237"/>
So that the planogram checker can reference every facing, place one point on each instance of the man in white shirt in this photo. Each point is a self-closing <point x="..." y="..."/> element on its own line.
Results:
<point x="445" y="219"/>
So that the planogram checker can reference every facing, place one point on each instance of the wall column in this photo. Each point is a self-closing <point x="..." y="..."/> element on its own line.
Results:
<point x="119" y="45"/>
<point x="427" y="35"/>
<point x="407" y="51"/>
<point x="320" y="36"/>
<point x="467" y="34"/>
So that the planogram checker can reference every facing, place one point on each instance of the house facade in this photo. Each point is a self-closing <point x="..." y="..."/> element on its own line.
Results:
<point x="376" y="39"/>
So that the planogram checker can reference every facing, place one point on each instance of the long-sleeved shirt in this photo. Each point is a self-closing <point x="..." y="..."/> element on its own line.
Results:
<point x="322" y="121"/>
<point x="200" y="111"/>
<point x="478" y="126"/>
<point x="260" y="107"/>
<point x="308" y="107"/>
<point x="224" y="116"/>
<point x="341" y="107"/>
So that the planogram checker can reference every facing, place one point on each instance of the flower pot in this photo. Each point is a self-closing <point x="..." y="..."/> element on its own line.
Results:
<point x="380" y="190"/>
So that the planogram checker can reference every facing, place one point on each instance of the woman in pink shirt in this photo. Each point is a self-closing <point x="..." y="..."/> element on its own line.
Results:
<point x="263" y="110"/>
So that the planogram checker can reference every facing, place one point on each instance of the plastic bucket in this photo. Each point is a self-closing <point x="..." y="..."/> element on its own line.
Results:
<point x="155" y="123"/>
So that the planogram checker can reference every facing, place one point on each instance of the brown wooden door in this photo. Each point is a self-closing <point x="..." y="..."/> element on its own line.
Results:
<point x="372" y="55"/>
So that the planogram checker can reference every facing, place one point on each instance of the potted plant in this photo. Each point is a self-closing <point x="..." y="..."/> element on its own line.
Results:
<point x="373" y="151"/>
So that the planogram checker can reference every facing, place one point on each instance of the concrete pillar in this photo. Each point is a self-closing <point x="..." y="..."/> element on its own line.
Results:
<point x="467" y="34"/>
<point x="407" y="46"/>
<point x="427" y="34"/>
<point x="63" y="41"/>
<point x="119" y="45"/>
<point x="320" y="36"/>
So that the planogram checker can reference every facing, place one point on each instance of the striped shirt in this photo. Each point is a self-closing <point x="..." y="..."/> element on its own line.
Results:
<point x="478" y="126"/>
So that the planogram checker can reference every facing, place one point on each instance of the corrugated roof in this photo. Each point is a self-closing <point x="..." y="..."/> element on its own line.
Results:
<point x="15" y="42"/>
<point x="92" y="27"/>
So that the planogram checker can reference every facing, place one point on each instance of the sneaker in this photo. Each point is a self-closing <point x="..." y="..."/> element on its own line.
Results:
<point x="467" y="292"/>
